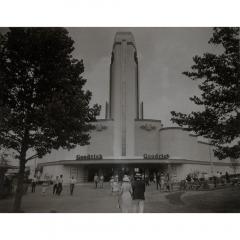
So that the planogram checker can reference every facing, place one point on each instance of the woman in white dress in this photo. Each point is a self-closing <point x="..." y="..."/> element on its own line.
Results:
<point x="126" y="195"/>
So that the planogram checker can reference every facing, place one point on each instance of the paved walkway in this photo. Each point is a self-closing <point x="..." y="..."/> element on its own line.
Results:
<point x="87" y="199"/>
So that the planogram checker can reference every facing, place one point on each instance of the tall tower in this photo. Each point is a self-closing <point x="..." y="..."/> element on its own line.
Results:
<point x="124" y="96"/>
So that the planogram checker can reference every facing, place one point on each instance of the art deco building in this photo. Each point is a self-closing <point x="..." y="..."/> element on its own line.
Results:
<point x="126" y="142"/>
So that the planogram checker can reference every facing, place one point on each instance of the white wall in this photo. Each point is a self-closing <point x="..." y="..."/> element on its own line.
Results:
<point x="147" y="137"/>
<point x="53" y="171"/>
<point x="61" y="154"/>
<point x="178" y="144"/>
<point x="102" y="139"/>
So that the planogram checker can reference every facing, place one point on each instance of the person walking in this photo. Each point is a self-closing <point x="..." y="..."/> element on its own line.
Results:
<point x="96" y="180"/>
<point x="115" y="191"/>
<point x="73" y="181"/>
<point x="147" y="180"/>
<point x="155" y="177"/>
<point x="188" y="181"/>
<point x="168" y="182"/>
<point x="60" y="185"/>
<point x="158" y="181"/>
<point x="126" y="195"/>
<point x="111" y="182"/>
<point x="33" y="184"/>
<point x="101" y="180"/>
<point x="162" y="182"/>
<point x="55" y="185"/>
<point x="138" y="188"/>
<point x="214" y="180"/>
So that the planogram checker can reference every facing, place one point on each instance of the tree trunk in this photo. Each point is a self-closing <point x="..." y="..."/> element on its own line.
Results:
<point x="2" y="172"/>
<point x="20" y="184"/>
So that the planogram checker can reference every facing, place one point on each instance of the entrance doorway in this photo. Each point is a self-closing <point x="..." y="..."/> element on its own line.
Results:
<point x="112" y="170"/>
<point x="106" y="171"/>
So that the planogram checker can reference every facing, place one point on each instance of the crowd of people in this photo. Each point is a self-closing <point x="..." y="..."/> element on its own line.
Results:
<point x="129" y="191"/>
<point x="195" y="181"/>
<point x="98" y="181"/>
<point x="164" y="181"/>
<point x="57" y="185"/>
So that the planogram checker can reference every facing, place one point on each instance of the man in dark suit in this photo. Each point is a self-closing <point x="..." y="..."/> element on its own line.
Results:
<point x="138" y="195"/>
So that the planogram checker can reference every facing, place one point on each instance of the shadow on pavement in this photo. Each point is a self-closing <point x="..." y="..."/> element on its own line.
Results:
<point x="175" y="198"/>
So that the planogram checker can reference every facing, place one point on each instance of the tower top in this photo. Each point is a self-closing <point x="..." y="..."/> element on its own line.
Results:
<point x="124" y="36"/>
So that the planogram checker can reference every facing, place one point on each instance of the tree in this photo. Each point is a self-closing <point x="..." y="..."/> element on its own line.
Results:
<point x="43" y="104"/>
<point x="219" y="121"/>
<point x="3" y="170"/>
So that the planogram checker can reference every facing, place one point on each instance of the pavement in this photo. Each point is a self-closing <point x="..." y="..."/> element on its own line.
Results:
<point x="87" y="199"/>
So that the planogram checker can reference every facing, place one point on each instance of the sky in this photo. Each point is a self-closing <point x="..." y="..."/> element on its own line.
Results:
<point x="163" y="54"/>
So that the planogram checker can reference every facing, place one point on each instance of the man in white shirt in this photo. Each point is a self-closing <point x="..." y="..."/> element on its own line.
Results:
<point x="34" y="183"/>
<point x="72" y="184"/>
<point x="101" y="181"/>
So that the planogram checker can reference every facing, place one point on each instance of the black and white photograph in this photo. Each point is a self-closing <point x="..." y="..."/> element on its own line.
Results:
<point x="119" y="120"/>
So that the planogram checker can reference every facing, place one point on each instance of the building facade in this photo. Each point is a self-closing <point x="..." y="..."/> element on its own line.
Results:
<point x="126" y="142"/>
